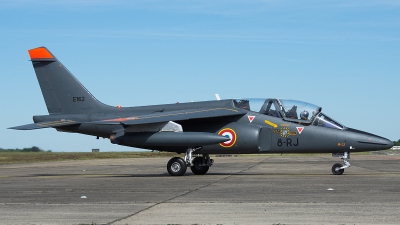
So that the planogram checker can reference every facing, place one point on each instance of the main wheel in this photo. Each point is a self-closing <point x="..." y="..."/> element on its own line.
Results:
<point x="176" y="166"/>
<point x="336" y="170"/>
<point x="197" y="168"/>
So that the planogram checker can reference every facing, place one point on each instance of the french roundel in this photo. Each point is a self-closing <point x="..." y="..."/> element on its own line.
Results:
<point x="227" y="132"/>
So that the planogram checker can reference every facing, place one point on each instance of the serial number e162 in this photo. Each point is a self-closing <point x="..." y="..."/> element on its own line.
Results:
<point x="78" y="99"/>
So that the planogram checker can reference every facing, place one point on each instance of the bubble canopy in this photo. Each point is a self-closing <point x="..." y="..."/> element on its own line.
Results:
<point x="289" y="110"/>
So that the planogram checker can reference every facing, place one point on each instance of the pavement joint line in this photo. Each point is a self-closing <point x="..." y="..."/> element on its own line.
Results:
<point x="187" y="192"/>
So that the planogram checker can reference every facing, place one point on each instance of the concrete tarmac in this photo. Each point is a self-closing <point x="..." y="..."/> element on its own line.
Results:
<point x="236" y="190"/>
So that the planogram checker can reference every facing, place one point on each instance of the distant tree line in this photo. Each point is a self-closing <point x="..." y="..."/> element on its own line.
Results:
<point x="31" y="149"/>
<point x="396" y="143"/>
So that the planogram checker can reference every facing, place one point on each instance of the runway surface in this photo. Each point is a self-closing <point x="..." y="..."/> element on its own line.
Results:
<point x="236" y="190"/>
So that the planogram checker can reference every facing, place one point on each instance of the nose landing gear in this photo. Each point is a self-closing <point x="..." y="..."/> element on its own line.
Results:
<point x="199" y="164"/>
<point x="337" y="168"/>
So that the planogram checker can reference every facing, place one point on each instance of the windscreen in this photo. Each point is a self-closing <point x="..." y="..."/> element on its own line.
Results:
<point x="323" y="120"/>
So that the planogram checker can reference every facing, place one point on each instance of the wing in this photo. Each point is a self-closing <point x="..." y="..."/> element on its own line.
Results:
<point x="178" y="115"/>
<point x="153" y="118"/>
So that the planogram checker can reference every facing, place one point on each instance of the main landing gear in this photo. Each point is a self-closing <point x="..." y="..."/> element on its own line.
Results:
<point x="199" y="164"/>
<point x="337" y="168"/>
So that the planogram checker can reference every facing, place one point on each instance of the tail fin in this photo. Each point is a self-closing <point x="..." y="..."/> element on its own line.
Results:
<point x="62" y="92"/>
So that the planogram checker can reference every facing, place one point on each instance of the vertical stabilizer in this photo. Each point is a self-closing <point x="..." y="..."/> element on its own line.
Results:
<point x="62" y="92"/>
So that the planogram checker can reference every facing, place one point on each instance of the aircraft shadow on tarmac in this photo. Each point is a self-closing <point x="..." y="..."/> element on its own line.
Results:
<point x="186" y="175"/>
<point x="98" y="175"/>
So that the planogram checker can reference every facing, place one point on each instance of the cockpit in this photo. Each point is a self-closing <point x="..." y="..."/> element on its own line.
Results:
<point x="289" y="110"/>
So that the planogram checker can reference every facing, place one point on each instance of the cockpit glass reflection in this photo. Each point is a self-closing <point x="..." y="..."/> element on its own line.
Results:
<point x="294" y="109"/>
<point x="323" y="120"/>
<point x="290" y="110"/>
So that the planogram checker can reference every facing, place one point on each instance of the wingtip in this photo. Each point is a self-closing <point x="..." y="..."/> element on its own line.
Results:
<point x="40" y="53"/>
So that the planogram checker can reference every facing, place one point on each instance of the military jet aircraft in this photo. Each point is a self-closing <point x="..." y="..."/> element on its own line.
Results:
<point x="197" y="129"/>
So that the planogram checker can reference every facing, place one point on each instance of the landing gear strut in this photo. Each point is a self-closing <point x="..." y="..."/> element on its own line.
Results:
<point x="337" y="168"/>
<point x="199" y="164"/>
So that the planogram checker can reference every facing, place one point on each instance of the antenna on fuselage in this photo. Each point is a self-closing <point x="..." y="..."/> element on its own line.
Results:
<point x="217" y="96"/>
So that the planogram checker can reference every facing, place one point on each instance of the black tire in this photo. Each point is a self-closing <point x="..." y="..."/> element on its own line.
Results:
<point x="197" y="168"/>
<point x="337" y="172"/>
<point x="176" y="166"/>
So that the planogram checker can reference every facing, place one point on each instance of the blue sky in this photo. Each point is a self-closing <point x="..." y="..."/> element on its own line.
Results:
<point x="340" y="55"/>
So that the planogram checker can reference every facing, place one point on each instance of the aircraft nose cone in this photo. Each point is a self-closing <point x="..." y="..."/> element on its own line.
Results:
<point x="376" y="140"/>
<point x="389" y="143"/>
<point x="370" y="141"/>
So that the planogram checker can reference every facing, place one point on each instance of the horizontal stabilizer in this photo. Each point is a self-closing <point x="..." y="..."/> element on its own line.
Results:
<point x="47" y="124"/>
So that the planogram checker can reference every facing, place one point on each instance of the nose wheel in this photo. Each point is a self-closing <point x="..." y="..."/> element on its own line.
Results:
<point x="337" y="168"/>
